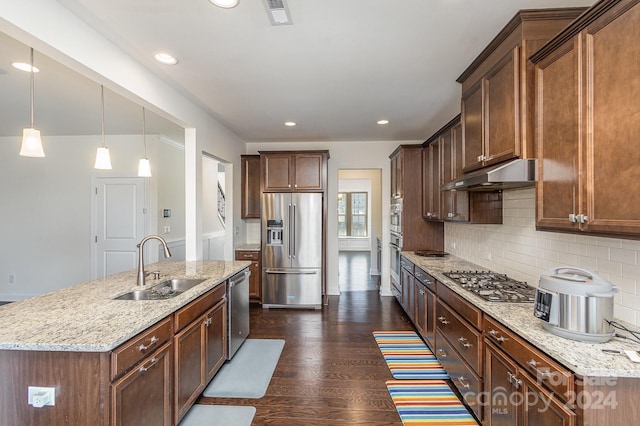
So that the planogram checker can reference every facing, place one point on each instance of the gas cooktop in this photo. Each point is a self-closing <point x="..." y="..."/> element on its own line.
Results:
<point x="493" y="287"/>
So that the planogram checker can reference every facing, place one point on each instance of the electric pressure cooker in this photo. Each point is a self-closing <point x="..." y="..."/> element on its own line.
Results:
<point x="576" y="304"/>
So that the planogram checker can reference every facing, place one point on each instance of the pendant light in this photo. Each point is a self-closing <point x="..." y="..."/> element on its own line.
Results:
<point x="144" y="168"/>
<point x="31" y="142"/>
<point x="103" y="159"/>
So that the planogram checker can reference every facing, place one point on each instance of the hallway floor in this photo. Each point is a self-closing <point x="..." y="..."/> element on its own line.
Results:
<point x="354" y="269"/>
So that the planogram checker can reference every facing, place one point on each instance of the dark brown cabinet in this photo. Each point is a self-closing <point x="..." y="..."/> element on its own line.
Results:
<point x="255" y="280"/>
<point x="142" y="397"/>
<point x="431" y="195"/>
<point x="501" y="375"/>
<point x="407" y="281"/>
<point x="587" y="126"/>
<point x="497" y="96"/>
<point x="250" y="181"/>
<point x="425" y="305"/>
<point x="406" y="173"/>
<point x="293" y="171"/>
<point x="200" y="347"/>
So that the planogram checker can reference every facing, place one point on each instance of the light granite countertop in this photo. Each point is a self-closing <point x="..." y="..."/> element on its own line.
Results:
<point x="248" y="247"/>
<point x="584" y="359"/>
<point x="85" y="318"/>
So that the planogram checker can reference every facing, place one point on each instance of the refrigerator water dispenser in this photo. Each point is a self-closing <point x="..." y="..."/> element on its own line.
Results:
<point x="274" y="232"/>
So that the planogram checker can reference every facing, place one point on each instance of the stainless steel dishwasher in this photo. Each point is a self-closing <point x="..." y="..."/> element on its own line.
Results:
<point x="237" y="311"/>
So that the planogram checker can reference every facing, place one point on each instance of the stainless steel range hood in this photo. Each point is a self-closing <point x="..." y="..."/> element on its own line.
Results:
<point x="514" y="174"/>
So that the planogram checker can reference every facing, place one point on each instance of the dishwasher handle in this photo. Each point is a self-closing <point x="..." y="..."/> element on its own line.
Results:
<point x="291" y="271"/>
<point x="238" y="278"/>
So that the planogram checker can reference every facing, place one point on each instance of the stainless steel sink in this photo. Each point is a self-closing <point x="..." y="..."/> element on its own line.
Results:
<point x="164" y="290"/>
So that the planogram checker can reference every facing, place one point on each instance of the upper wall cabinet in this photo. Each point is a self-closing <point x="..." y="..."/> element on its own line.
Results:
<point x="497" y="101"/>
<point x="294" y="171"/>
<point x="250" y="186"/>
<point x="588" y="123"/>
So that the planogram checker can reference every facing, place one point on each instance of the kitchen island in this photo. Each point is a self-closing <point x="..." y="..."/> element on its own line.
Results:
<point x="98" y="353"/>
<point x="499" y="352"/>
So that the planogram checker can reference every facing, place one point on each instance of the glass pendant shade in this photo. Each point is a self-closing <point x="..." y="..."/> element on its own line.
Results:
<point x="31" y="143"/>
<point x="144" y="168"/>
<point x="103" y="159"/>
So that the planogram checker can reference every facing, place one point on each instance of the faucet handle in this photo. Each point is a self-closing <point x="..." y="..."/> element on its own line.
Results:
<point x="156" y="274"/>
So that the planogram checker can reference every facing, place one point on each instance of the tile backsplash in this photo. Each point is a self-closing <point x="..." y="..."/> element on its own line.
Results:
<point x="515" y="248"/>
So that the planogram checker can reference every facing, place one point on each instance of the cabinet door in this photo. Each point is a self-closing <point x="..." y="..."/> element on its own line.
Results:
<point x="189" y="367"/>
<point x="408" y="292"/>
<point x="541" y="407"/>
<point x="396" y="175"/>
<point x="501" y="95"/>
<point x="277" y="172"/>
<point x="430" y="318"/>
<point x="142" y="397"/>
<point x="216" y="338"/>
<point x="472" y="128"/>
<point x="557" y="138"/>
<point x="250" y="186"/>
<point x="612" y="118"/>
<point x="456" y="203"/>
<point x="500" y="383"/>
<point x="309" y="172"/>
<point x="255" y="280"/>
<point x="421" y="304"/>
<point x="431" y="181"/>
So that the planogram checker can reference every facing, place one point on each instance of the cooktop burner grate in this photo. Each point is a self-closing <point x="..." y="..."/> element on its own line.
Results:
<point x="493" y="287"/>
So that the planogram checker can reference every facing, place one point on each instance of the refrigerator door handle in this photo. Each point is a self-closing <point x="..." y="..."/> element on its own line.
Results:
<point x="293" y="233"/>
<point x="289" y="233"/>
<point x="291" y="271"/>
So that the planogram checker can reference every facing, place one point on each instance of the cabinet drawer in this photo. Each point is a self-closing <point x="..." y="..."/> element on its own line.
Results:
<point x="128" y="354"/>
<point x="406" y="264"/>
<point x="425" y="279"/>
<point x="196" y="308"/>
<point x="464" y="338"/>
<point x="546" y="371"/>
<point x="467" y="382"/>
<point x="247" y="255"/>
<point x="465" y="309"/>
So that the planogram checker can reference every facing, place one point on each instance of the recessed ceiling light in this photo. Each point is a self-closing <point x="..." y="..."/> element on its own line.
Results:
<point x="24" y="67"/>
<point x="290" y="123"/>
<point x="165" y="58"/>
<point x="227" y="4"/>
<point x="383" y="121"/>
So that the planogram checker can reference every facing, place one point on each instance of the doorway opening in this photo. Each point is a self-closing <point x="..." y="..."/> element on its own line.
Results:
<point x="216" y="208"/>
<point x="359" y="226"/>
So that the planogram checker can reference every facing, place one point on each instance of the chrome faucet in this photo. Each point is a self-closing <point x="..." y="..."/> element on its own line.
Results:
<point x="167" y="253"/>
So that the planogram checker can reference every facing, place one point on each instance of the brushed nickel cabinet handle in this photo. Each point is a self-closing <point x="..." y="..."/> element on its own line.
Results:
<point x="151" y="363"/>
<point x="153" y="341"/>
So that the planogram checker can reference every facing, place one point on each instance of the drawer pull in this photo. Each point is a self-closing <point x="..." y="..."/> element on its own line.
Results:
<point x="463" y="383"/>
<point x="250" y="256"/>
<point x="207" y="322"/>
<point x="443" y="320"/>
<point x="442" y="353"/>
<point x="151" y="363"/>
<point x="540" y="373"/>
<point x="144" y="348"/>
<point x="464" y="342"/>
<point x="497" y="337"/>
<point x="421" y="292"/>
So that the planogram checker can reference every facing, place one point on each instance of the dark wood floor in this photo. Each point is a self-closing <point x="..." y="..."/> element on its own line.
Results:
<point x="331" y="371"/>
<point x="354" y="271"/>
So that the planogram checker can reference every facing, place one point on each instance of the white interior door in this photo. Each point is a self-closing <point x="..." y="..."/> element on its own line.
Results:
<point x="120" y="223"/>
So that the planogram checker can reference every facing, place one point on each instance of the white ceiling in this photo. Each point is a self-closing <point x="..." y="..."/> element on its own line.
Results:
<point x="341" y="65"/>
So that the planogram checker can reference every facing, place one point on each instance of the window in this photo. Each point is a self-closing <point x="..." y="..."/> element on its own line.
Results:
<point x="352" y="214"/>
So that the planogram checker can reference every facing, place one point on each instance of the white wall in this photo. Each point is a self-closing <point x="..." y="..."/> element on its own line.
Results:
<point x="46" y="219"/>
<point x="517" y="249"/>
<point x="346" y="155"/>
<point x="81" y="48"/>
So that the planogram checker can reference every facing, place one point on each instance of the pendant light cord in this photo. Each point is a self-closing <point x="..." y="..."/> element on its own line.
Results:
<point x="102" y="119"/>
<point x="144" y="132"/>
<point x="31" y="87"/>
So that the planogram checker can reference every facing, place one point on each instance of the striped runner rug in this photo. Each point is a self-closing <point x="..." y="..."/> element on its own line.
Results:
<point x="428" y="402"/>
<point x="407" y="356"/>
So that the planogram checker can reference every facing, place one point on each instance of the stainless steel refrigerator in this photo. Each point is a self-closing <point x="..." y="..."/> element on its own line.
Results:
<point x="292" y="250"/>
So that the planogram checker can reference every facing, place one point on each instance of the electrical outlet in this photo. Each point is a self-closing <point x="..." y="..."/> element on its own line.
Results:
<point x="487" y="256"/>
<point x="12" y="278"/>
<point x="452" y="244"/>
<point x="167" y="229"/>
<point x="237" y="230"/>
<point x="39" y="396"/>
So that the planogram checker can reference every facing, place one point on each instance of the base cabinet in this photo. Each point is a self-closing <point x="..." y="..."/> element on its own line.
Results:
<point x="200" y="349"/>
<point x="255" y="280"/>
<point x="142" y="397"/>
